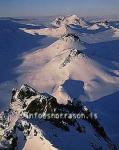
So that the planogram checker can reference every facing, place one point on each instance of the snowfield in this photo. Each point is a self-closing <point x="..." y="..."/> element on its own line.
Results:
<point x="70" y="59"/>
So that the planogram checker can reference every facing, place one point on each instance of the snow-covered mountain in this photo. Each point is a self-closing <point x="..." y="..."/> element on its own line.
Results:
<point x="98" y="25"/>
<point x="68" y="62"/>
<point x="74" y="64"/>
<point x="20" y="131"/>
<point x="73" y="19"/>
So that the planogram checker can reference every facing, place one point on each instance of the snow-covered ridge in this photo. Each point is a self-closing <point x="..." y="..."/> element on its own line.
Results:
<point x="23" y="133"/>
<point x="73" y="53"/>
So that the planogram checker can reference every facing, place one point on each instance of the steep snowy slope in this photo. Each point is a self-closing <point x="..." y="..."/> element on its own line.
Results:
<point x="107" y="110"/>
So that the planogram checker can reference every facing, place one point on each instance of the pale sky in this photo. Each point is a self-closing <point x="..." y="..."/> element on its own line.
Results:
<point x="18" y="8"/>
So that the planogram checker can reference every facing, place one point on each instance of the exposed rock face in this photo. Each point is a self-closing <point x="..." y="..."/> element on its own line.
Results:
<point x="72" y="55"/>
<point x="26" y="92"/>
<point x="71" y="36"/>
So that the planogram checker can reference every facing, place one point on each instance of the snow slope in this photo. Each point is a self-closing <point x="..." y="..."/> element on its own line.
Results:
<point x="14" y="42"/>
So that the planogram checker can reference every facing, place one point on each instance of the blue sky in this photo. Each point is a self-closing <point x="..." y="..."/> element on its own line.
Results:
<point x="20" y="8"/>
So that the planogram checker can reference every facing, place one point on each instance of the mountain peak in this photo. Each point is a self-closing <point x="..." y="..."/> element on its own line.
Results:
<point x="17" y="127"/>
<point x="73" y="19"/>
